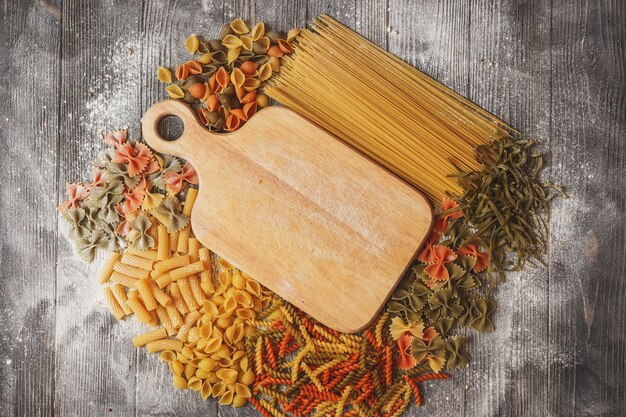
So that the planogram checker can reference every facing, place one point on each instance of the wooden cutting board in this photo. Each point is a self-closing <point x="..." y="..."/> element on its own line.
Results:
<point x="310" y="218"/>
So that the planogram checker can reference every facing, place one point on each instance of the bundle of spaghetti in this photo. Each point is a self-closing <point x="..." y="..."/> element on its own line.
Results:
<point x="303" y="368"/>
<point x="396" y="115"/>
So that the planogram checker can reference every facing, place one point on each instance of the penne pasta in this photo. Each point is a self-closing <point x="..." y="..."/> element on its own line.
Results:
<point x="173" y="244"/>
<point x="139" y="309"/>
<point x="151" y="336"/>
<point x="206" y="276"/>
<point x="196" y="289"/>
<point x="114" y="306"/>
<point x="164" y="344"/>
<point x="163" y="246"/>
<point x="131" y="271"/>
<point x="177" y="298"/>
<point x="137" y="262"/>
<point x="171" y="263"/>
<point x="107" y="267"/>
<point x="154" y="319"/>
<point x="183" y="239"/>
<point x="120" y="296"/>
<point x="190" y="321"/>
<point x="187" y="293"/>
<point x="148" y="254"/>
<point x="174" y="315"/>
<point x="164" y="280"/>
<point x="193" y="246"/>
<point x="159" y="294"/>
<point x="187" y="270"/>
<point x="190" y="200"/>
<point x="125" y="280"/>
<point x="165" y="320"/>
<point x="146" y="294"/>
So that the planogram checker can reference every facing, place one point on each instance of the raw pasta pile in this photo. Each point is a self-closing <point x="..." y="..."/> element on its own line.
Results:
<point x="223" y="80"/>
<point x="224" y="335"/>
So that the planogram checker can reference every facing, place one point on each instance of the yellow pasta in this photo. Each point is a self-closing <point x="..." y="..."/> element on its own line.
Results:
<point x="190" y="321"/>
<point x="383" y="107"/>
<point x="137" y="262"/>
<point x="163" y="247"/>
<point x="120" y="296"/>
<point x="164" y="344"/>
<point x="148" y="254"/>
<point x="146" y="294"/>
<point x="171" y="263"/>
<point x="164" y="280"/>
<point x="187" y="270"/>
<point x="165" y="320"/>
<point x="183" y="239"/>
<point x="131" y="271"/>
<point x="192" y="194"/>
<point x="173" y="241"/>
<point x="159" y="294"/>
<point x="187" y="293"/>
<point x="174" y="315"/>
<point x="196" y="289"/>
<point x="151" y="336"/>
<point x="125" y="280"/>
<point x="107" y="267"/>
<point x="177" y="298"/>
<point x="114" y="306"/>
<point x="154" y="319"/>
<point x="193" y="246"/>
<point x="139" y="309"/>
<point x="206" y="276"/>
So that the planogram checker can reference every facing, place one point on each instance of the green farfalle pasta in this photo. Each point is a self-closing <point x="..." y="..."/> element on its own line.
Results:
<point x="456" y="357"/>
<point x="75" y="217"/>
<point x="483" y="309"/>
<point x="87" y="247"/>
<point x="141" y="224"/>
<point x="102" y="196"/>
<point x="92" y="218"/>
<point x="118" y="172"/>
<point x="170" y="211"/>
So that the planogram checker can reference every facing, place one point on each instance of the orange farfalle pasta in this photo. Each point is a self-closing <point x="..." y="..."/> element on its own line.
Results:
<point x="426" y="254"/>
<point x="482" y="258"/>
<point x="123" y="228"/>
<point x="175" y="181"/>
<point x="135" y="157"/>
<point x="76" y="192"/>
<point x="405" y="360"/>
<point x="98" y="177"/>
<point x="133" y="200"/>
<point x="115" y="138"/>
<point x="438" y="270"/>
<point x="451" y="210"/>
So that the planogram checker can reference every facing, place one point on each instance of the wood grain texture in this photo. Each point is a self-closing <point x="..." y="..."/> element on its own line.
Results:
<point x="29" y="42"/>
<point x="554" y="69"/>
<point x="306" y="215"/>
<point x="94" y="374"/>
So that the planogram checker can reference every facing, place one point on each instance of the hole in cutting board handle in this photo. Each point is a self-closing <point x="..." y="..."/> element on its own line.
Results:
<point x="171" y="128"/>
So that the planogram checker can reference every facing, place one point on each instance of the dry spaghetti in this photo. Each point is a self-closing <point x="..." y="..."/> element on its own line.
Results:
<point x="393" y="113"/>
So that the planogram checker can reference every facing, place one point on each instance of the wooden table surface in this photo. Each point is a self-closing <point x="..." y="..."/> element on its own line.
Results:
<point x="553" y="68"/>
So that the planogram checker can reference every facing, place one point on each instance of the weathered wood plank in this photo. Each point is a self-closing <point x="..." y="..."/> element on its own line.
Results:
<point x="509" y="61"/>
<point x="433" y="36"/>
<point x="95" y="367"/>
<point x="29" y="71"/>
<point x="165" y="25"/>
<point x="587" y="320"/>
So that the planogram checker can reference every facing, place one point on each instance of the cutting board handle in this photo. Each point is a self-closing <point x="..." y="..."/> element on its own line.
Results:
<point x="159" y="111"/>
